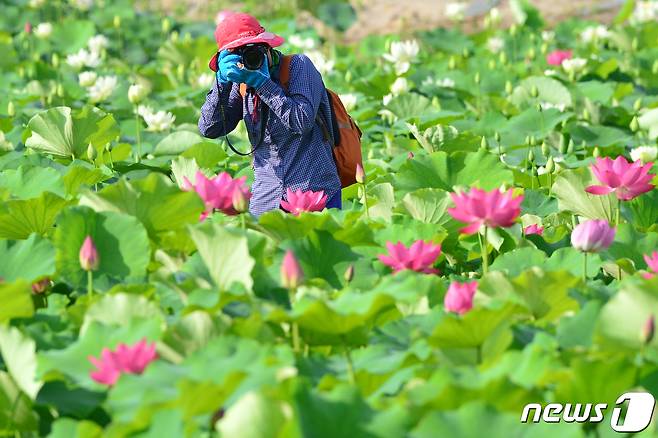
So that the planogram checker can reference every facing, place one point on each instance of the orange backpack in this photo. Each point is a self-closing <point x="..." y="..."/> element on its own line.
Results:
<point x="346" y="133"/>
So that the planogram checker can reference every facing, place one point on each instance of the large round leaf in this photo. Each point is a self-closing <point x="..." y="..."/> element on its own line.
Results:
<point x="29" y="259"/>
<point x="121" y="240"/>
<point x="64" y="133"/>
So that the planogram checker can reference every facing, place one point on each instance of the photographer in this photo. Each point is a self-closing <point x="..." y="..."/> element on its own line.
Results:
<point x="290" y="147"/>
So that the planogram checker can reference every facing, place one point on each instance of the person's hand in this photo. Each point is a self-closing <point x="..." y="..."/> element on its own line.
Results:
<point x="253" y="78"/>
<point x="225" y="60"/>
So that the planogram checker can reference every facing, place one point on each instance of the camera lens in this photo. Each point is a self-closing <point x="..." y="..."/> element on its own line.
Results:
<point x="252" y="57"/>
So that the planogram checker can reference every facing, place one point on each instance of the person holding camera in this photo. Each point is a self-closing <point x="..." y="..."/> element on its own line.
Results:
<point x="291" y="147"/>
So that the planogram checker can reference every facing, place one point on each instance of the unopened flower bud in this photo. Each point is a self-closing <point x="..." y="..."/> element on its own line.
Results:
<point x="508" y="87"/>
<point x="635" y="124"/>
<point x="586" y="116"/>
<point x="360" y="174"/>
<point x="452" y="63"/>
<point x="532" y="54"/>
<point x="136" y="93"/>
<point x="41" y="286"/>
<point x="91" y="152"/>
<point x="497" y="136"/>
<point x="11" y="109"/>
<point x="654" y="67"/>
<point x="240" y="203"/>
<point x="492" y="64"/>
<point x="596" y="152"/>
<point x="545" y="150"/>
<point x="531" y="155"/>
<point x="550" y="165"/>
<point x="116" y="22"/>
<point x="484" y="144"/>
<point x="349" y="273"/>
<point x="649" y="329"/>
<point x="54" y="60"/>
<point x="166" y="25"/>
<point x="59" y="91"/>
<point x="477" y="78"/>
<point x="534" y="91"/>
<point x="291" y="271"/>
<point x="89" y="258"/>
<point x="544" y="48"/>
<point x="570" y="147"/>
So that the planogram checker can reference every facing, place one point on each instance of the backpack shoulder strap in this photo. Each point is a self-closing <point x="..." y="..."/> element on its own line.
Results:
<point x="284" y="72"/>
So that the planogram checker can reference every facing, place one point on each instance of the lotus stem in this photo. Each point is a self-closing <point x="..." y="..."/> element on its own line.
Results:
<point x="295" y="337"/>
<point x="90" y="283"/>
<point x="139" y="137"/>
<point x="483" y="250"/>
<point x="618" y="213"/>
<point x="585" y="267"/>
<point x="348" y="359"/>
<point x="365" y="200"/>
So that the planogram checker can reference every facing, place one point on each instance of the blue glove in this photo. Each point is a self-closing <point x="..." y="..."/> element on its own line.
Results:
<point x="225" y="60"/>
<point x="253" y="78"/>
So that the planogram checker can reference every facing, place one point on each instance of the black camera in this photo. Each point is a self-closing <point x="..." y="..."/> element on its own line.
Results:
<point x="252" y="55"/>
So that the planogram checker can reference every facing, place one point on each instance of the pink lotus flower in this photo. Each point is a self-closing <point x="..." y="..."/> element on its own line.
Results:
<point x="592" y="236"/>
<point x="291" y="271"/>
<point x="419" y="257"/>
<point x="126" y="359"/>
<point x="626" y="180"/>
<point x="89" y="258"/>
<point x="218" y="193"/>
<point x="652" y="263"/>
<point x="533" y="229"/>
<point x="459" y="298"/>
<point x="299" y="201"/>
<point x="492" y="209"/>
<point x="557" y="56"/>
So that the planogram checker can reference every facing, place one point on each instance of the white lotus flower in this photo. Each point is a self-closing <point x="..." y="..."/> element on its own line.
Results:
<point x="547" y="35"/>
<point x="87" y="78"/>
<point x="574" y="64"/>
<point x="43" y="30"/>
<point x="102" y="89"/>
<point x="402" y="53"/>
<point x="322" y="64"/>
<point x="595" y="33"/>
<point x="443" y="82"/>
<point x="455" y="10"/>
<point x="549" y="72"/>
<point x="83" y="58"/>
<point x="300" y="42"/>
<point x="349" y="101"/>
<point x="157" y="121"/>
<point x="645" y="154"/>
<point x="137" y="93"/>
<point x="548" y="105"/>
<point x="83" y="5"/>
<point x="645" y="11"/>
<point x="399" y="86"/>
<point x="494" y="15"/>
<point x="495" y="44"/>
<point x="387" y="99"/>
<point x="205" y="80"/>
<point x="97" y="43"/>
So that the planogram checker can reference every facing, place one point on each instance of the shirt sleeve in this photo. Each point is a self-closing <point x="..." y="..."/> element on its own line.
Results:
<point x="217" y="120"/>
<point x="297" y="109"/>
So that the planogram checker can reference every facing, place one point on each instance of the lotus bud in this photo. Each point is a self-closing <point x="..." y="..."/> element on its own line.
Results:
<point x="21" y="72"/>
<point x="348" y="76"/>
<point x="240" y="203"/>
<point x="89" y="258"/>
<point x="28" y="27"/>
<point x="534" y="91"/>
<point x="544" y="48"/>
<point x="465" y="52"/>
<point x="654" y="67"/>
<point x="477" y="78"/>
<point x="136" y="93"/>
<point x="91" y="152"/>
<point x="637" y="105"/>
<point x="570" y="147"/>
<point x="533" y="140"/>
<point x="531" y="156"/>
<point x="291" y="271"/>
<point x="11" y="109"/>
<point x="497" y="136"/>
<point x="349" y="274"/>
<point x="649" y="329"/>
<point x="187" y="38"/>
<point x="539" y="108"/>
<point x="545" y="150"/>
<point x="614" y="102"/>
<point x="562" y="147"/>
<point x="512" y="30"/>
<point x="492" y="64"/>
<point x="550" y="165"/>
<point x="180" y="71"/>
<point x="635" y="43"/>
<point x="596" y="152"/>
<point x="502" y="58"/>
<point x="586" y="116"/>
<point x="360" y="174"/>
<point x="166" y="25"/>
<point x="59" y="90"/>
<point x="508" y="87"/>
<point x="116" y="22"/>
<point x="174" y="36"/>
<point x="635" y="125"/>
<point x="527" y="140"/>
<point x="532" y="54"/>
<point x="484" y="144"/>
<point x="41" y="286"/>
<point x="55" y="60"/>
<point x="49" y="99"/>
<point x="410" y="155"/>
<point x="452" y="63"/>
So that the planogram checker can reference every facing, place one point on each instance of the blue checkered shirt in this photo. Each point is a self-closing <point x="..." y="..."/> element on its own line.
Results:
<point x="293" y="153"/>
